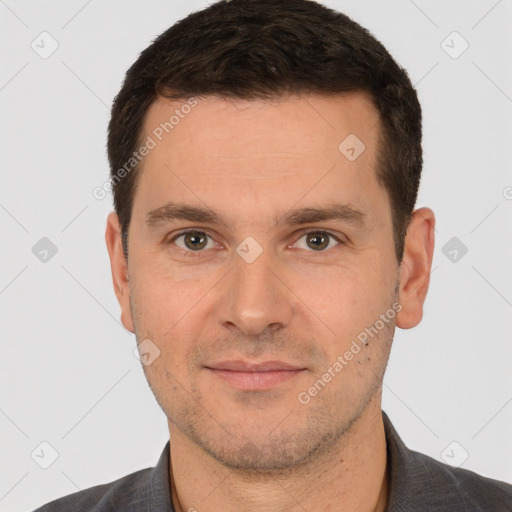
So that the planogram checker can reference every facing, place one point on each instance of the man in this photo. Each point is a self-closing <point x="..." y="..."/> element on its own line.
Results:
<point x="265" y="162"/>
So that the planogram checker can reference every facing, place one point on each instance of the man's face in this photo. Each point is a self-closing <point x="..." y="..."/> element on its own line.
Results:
<point x="266" y="274"/>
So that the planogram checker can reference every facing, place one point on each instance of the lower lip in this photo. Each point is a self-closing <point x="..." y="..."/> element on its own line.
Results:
<point x="255" y="380"/>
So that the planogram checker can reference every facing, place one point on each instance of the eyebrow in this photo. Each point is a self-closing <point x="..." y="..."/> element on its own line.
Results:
<point x="171" y="212"/>
<point x="340" y="212"/>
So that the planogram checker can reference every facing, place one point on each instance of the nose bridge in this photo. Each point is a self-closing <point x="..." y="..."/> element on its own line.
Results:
<point x="255" y="298"/>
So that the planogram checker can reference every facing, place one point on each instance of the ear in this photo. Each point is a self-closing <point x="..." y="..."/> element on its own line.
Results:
<point x="119" y="267"/>
<point x="415" y="267"/>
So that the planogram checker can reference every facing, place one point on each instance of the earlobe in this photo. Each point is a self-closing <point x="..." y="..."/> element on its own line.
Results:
<point x="415" y="267"/>
<point x="119" y="268"/>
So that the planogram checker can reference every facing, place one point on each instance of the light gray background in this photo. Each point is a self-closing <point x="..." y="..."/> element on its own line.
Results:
<point x="69" y="376"/>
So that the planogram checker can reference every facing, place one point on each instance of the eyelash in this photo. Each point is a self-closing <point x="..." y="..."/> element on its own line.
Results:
<point x="197" y="254"/>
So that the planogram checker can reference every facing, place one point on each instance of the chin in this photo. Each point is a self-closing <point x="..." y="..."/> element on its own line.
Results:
<point x="252" y="449"/>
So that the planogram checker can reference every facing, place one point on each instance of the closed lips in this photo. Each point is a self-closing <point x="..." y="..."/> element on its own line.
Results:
<point x="243" y="366"/>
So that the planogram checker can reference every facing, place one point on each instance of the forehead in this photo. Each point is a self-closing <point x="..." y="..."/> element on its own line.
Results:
<point x="314" y="148"/>
<point x="298" y="123"/>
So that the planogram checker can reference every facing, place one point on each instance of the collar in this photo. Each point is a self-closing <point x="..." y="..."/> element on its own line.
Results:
<point x="411" y="476"/>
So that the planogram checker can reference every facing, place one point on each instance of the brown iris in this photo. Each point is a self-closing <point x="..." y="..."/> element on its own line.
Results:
<point x="317" y="241"/>
<point x="195" y="240"/>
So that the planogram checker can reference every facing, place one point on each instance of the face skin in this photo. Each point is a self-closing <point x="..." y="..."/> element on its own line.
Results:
<point x="274" y="299"/>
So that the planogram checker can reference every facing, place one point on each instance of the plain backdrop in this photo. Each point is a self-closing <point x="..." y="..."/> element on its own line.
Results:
<point x="69" y="378"/>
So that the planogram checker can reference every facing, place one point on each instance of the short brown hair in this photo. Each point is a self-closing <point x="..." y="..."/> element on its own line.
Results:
<point x="263" y="49"/>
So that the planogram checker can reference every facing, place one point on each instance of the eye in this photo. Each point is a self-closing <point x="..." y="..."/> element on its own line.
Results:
<point x="317" y="241"/>
<point x="193" y="241"/>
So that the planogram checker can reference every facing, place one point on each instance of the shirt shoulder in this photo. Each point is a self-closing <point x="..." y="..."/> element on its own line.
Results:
<point x="146" y="490"/>
<point x="101" y="498"/>
<point x="446" y="488"/>
<point x="420" y="483"/>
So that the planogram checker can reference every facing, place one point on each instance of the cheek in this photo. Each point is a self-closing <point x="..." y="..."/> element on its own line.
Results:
<point x="349" y="304"/>
<point x="346" y="295"/>
<point x="161" y="293"/>
<point x="171" y="312"/>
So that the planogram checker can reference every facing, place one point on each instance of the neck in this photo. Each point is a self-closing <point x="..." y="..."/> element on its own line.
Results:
<point x="352" y="476"/>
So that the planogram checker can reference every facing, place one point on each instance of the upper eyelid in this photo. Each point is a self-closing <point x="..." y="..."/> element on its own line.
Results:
<point x="305" y="231"/>
<point x="186" y="231"/>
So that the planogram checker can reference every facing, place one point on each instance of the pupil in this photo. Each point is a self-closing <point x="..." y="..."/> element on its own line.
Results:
<point x="318" y="241"/>
<point x="195" y="241"/>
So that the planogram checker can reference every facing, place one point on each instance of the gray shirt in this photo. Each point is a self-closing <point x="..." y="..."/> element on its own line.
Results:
<point x="418" y="483"/>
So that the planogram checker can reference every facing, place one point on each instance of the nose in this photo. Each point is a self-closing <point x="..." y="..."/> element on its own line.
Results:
<point x="254" y="297"/>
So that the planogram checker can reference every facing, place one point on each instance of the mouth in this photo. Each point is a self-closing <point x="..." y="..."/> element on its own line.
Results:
<point x="254" y="376"/>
